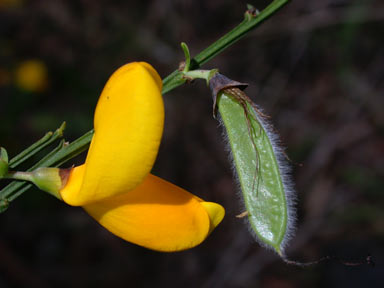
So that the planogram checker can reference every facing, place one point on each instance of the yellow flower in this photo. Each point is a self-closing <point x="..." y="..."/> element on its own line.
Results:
<point x="32" y="76"/>
<point x="115" y="186"/>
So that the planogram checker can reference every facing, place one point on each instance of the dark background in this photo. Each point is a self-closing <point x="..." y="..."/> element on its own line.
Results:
<point x="317" y="68"/>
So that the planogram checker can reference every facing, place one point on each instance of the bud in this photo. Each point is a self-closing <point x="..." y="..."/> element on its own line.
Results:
<point x="50" y="180"/>
<point x="3" y="162"/>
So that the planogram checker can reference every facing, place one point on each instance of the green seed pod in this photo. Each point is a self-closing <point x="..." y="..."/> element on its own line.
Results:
<point x="259" y="165"/>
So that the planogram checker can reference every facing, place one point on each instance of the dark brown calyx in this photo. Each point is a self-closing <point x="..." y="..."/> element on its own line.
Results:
<point x="218" y="83"/>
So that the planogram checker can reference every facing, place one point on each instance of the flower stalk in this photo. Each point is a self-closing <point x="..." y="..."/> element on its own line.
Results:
<point x="47" y="179"/>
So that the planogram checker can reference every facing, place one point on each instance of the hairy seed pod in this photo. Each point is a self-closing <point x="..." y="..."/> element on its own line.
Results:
<point x="260" y="166"/>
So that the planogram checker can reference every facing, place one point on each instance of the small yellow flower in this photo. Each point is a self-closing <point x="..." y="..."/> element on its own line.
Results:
<point x="115" y="186"/>
<point x="31" y="76"/>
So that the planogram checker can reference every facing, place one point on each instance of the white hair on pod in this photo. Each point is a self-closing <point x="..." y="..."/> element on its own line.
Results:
<point x="284" y="171"/>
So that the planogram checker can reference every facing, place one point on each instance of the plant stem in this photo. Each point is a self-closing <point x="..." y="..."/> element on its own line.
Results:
<point x="56" y="157"/>
<point x="62" y="154"/>
<point x="22" y="156"/>
<point x="238" y="32"/>
<point x="200" y="74"/>
<point x="19" y="175"/>
<point x="68" y="151"/>
<point x="175" y="79"/>
<point x="36" y="147"/>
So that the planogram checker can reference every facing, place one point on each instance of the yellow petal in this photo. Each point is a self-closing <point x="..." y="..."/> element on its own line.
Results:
<point x="74" y="181"/>
<point x="128" y="122"/>
<point x="215" y="213"/>
<point x="158" y="215"/>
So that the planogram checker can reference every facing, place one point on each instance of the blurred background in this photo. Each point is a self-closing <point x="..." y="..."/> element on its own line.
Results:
<point x="316" y="67"/>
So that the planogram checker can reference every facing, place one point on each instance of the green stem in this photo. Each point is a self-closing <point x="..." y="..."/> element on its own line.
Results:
<point x="36" y="147"/>
<point x="68" y="151"/>
<point x="19" y="175"/>
<point x="200" y="74"/>
<point x="23" y="188"/>
<point x="24" y="154"/>
<point x="55" y="158"/>
<point x="249" y="23"/>
<point x="175" y="79"/>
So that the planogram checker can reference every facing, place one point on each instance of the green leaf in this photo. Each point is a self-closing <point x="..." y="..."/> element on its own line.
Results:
<point x="258" y="162"/>
<point x="3" y="162"/>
